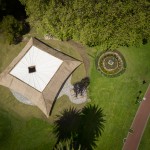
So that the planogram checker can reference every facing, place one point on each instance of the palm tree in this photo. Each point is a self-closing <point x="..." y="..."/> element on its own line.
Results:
<point x="92" y="124"/>
<point x="82" y="128"/>
<point x="66" y="145"/>
<point x="67" y="124"/>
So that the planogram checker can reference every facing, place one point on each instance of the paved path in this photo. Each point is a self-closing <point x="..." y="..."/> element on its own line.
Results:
<point x="139" y="123"/>
<point x="68" y="90"/>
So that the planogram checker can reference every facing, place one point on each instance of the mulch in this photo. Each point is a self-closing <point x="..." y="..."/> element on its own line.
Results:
<point x="139" y="123"/>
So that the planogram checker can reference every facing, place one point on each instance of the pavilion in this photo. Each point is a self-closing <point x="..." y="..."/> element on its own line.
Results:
<point x="37" y="74"/>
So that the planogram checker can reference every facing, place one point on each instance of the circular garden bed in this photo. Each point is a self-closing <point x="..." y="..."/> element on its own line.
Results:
<point x="111" y="63"/>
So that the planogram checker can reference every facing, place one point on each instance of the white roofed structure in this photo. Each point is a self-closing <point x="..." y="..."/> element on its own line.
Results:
<point x="38" y="74"/>
<point x="36" y="68"/>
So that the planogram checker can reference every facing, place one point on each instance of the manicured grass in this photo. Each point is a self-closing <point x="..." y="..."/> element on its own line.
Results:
<point x="8" y="52"/>
<point x="20" y="134"/>
<point x="117" y="96"/>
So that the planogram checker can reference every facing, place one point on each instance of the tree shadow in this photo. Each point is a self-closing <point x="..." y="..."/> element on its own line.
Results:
<point x="91" y="126"/>
<point x="67" y="124"/>
<point x="5" y="128"/>
<point x="82" y="127"/>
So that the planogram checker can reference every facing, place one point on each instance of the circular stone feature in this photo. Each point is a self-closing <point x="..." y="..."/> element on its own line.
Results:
<point x="111" y="63"/>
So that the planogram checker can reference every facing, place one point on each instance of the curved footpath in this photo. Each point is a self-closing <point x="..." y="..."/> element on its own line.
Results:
<point x="139" y="123"/>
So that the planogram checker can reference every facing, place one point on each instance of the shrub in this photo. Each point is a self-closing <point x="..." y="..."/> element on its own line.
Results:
<point x="80" y="87"/>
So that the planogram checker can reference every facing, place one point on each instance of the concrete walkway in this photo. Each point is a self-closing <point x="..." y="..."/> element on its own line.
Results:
<point x="139" y="123"/>
<point x="68" y="90"/>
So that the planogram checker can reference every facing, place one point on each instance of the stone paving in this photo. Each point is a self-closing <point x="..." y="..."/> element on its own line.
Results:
<point x="21" y="98"/>
<point x="68" y="90"/>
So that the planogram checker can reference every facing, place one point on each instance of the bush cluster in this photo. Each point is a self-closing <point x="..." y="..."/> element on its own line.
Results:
<point x="92" y="22"/>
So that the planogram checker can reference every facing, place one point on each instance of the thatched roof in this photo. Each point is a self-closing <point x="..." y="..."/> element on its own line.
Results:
<point x="45" y="98"/>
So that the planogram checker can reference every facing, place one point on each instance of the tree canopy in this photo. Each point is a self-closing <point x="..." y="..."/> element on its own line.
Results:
<point x="13" y="8"/>
<point x="12" y="20"/>
<point x="111" y="23"/>
<point x="11" y="28"/>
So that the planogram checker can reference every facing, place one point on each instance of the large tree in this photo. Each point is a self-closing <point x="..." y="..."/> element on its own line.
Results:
<point x="81" y="128"/>
<point x="12" y="29"/>
<point x="93" y="22"/>
<point x="35" y="10"/>
<point x="12" y="20"/>
<point x="67" y="124"/>
<point x="91" y="126"/>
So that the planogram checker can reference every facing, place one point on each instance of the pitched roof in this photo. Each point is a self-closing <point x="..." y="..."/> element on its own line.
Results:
<point x="36" y="68"/>
<point x="38" y="73"/>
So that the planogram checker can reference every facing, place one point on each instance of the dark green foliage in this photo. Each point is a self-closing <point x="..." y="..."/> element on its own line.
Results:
<point x="12" y="20"/>
<point x="35" y="10"/>
<point x="93" y="22"/>
<point x="5" y="128"/>
<point x="11" y="29"/>
<point x="67" y="124"/>
<point x="80" y="87"/>
<point x="92" y="125"/>
<point x="82" y="128"/>
<point x="66" y="145"/>
<point x="12" y="7"/>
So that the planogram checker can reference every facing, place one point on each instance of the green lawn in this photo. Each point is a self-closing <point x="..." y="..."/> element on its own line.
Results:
<point x="28" y="128"/>
<point x="19" y="134"/>
<point x="117" y="96"/>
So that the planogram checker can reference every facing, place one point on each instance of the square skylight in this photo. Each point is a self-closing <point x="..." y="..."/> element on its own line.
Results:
<point x="32" y="69"/>
<point x="36" y="68"/>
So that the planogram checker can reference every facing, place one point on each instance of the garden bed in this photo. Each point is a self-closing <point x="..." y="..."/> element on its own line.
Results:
<point x="111" y="63"/>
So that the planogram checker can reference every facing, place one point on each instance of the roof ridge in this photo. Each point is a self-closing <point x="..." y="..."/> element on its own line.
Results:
<point x="45" y="105"/>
